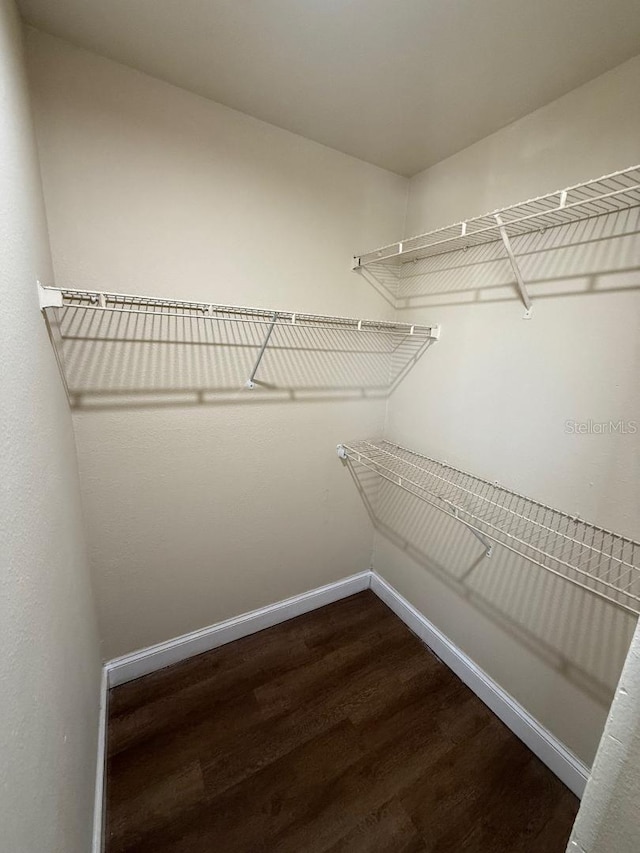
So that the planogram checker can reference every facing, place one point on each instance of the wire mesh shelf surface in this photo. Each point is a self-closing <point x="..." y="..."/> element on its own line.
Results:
<point x="591" y="557"/>
<point x="110" y="343"/>
<point x="154" y="306"/>
<point x="608" y="194"/>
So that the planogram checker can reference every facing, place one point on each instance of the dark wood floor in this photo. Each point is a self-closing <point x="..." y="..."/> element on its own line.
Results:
<point x="336" y="731"/>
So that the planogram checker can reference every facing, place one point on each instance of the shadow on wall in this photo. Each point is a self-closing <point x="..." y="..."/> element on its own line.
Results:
<point x="582" y="636"/>
<point x="117" y="360"/>
<point x="586" y="257"/>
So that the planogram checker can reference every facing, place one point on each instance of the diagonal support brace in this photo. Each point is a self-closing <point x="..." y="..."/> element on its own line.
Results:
<point x="488" y="547"/>
<point x="250" y="381"/>
<point x="516" y="269"/>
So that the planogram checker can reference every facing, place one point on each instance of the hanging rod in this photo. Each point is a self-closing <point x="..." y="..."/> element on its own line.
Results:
<point x="612" y="193"/>
<point x="401" y="342"/>
<point x="591" y="557"/>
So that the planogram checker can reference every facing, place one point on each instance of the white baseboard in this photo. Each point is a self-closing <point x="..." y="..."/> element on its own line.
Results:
<point x="540" y="741"/>
<point x="101" y="769"/>
<point x="148" y="660"/>
<point x="566" y="766"/>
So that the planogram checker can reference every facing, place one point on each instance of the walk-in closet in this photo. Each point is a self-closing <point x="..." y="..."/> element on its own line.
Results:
<point x="321" y="439"/>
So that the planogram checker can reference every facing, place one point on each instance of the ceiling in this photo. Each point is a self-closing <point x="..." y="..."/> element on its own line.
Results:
<point x="398" y="83"/>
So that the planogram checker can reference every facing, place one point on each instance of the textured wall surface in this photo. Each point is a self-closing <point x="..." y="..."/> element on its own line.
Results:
<point x="198" y="510"/>
<point x="494" y="397"/>
<point x="608" y="816"/>
<point x="50" y="667"/>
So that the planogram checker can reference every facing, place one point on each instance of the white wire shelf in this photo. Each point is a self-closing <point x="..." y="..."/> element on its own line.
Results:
<point x="584" y="554"/>
<point x="89" y="328"/>
<point x="609" y="194"/>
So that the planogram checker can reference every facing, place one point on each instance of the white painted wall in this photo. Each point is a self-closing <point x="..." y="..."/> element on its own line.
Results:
<point x="50" y="666"/>
<point x="493" y="397"/>
<point x="196" y="513"/>
<point x="608" y="816"/>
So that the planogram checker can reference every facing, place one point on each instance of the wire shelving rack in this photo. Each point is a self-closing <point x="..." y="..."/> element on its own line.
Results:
<point x="109" y="319"/>
<point x="584" y="554"/>
<point x="609" y="194"/>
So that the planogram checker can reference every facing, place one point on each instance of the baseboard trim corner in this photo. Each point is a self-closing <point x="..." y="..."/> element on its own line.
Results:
<point x="101" y="767"/>
<point x="135" y="665"/>
<point x="561" y="761"/>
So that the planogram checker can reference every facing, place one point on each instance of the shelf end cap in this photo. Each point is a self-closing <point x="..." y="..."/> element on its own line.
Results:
<point x="49" y="297"/>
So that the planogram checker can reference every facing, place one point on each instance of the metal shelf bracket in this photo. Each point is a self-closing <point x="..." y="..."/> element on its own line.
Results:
<point x="49" y="297"/>
<point x="488" y="547"/>
<point x="250" y="381"/>
<point x="524" y="295"/>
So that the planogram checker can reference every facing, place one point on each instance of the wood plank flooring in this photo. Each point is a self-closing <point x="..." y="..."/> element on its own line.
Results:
<point x="336" y="732"/>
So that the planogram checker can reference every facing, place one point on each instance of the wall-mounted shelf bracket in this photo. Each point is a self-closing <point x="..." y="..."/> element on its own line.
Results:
<point x="488" y="547"/>
<point x="250" y="381"/>
<point x="524" y="295"/>
<point x="49" y="297"/>
<point x="435" y="332"/>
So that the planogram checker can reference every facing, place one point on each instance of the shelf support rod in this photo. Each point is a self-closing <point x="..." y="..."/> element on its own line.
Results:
<point x="516" y="269"/>
<point x="488" y="546"/>
<point x="51" y="297"/>
<point x="250" y="381"/>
